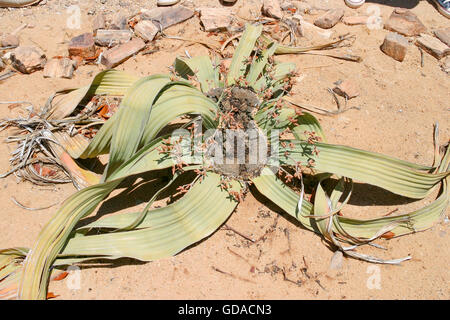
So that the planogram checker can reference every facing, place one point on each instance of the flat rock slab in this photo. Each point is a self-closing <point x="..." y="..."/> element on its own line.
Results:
<point x="329" y="19"/>
<point x="146" y="30"/>
<point x="405" y="22"/>
<point x="110" y="38"/>
<point x="59" y="68"/>
<point x="433" y="46"/>
<point x="82" y="46"/>
<point x="28" y="59"/>
<point x="443" y="35"/>
<point x="395" y="46"/>
<point x="166" y="17"/>
<point x="272" y="8"/>
<point x="215" y="19"/>
<point x="119" y="54"/>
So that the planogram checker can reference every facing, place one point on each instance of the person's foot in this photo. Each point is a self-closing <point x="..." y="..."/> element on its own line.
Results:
<point x="354" y="3"/>
<point x="443" y="7"/>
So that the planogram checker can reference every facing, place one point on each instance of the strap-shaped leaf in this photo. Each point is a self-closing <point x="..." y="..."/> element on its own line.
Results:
<point x="53" y="236"/>
<point x="199" y="66"/>
<point x="111" y="82"/>
<point x="257" y="67"/>
<point x="325" y="210"/>
<point x="305" y="122"/>
<point x="164" y="231"/>
<point x="280" y="72"/>
<point x="398" y="176"/>
<point x="243" y="51"/>
<point x="132" y="119"/>
<point x="418" y="220"/>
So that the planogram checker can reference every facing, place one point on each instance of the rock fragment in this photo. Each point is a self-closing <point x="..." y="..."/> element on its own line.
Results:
<point x="433" y="46"/>
<point x="329" y="19"/>
<point x="110" y="38"/>
<point x="405" y="22"/>
<point x="311" y="27"/>
<point x="215" y="19"/>
<point x="272" y="8"/>
<point x="119" y="54"/>
<point x="82" y="45"/>
<point x="166" y="17"/>
<point x="28" y="59"/>
<point x="395" y="46"/>
<point x="146" y="30"/>
<point x="59" y="68"/>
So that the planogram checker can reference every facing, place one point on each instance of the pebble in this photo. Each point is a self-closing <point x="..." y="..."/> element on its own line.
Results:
<point x="28" y="59"/>
<point x="329" y="19"/>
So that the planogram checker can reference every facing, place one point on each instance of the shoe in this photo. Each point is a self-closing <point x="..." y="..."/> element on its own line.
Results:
<point x="354" y="3"/>
<point x="164" y="3"/>
<point x="443" y="7"/>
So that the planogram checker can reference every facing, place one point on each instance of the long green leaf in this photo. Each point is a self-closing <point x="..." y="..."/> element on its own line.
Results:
<point x="199" y="66"/>
<point x="242" y="53"/>
<point x="398" y="176"/>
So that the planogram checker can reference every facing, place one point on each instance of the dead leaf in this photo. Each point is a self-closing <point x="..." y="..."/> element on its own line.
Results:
<point x="60" y="276"/>
<point x="388" y="235"/>
<point x="51" y="295"/>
